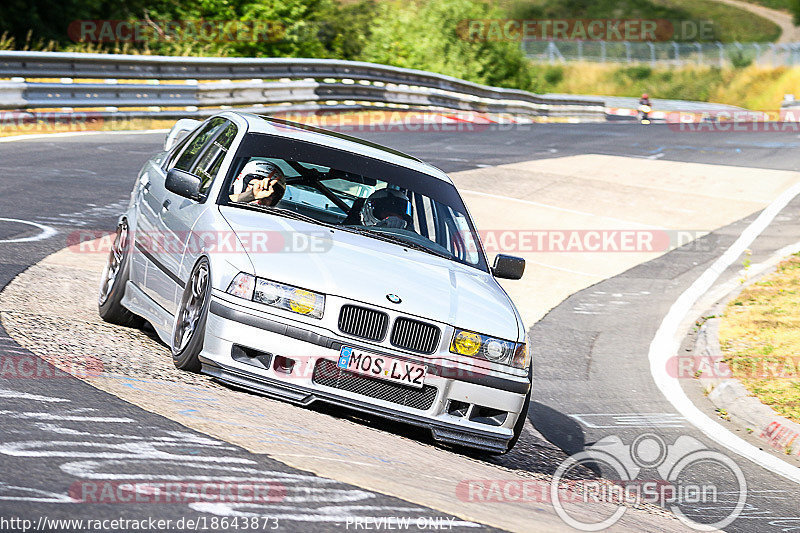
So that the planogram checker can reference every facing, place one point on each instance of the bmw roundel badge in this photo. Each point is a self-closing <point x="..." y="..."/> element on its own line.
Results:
<point x="395" y="299"/>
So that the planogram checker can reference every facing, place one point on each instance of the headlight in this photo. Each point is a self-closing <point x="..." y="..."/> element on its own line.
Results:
<point x="278" y="295"/>
<point x="474" y="344"/>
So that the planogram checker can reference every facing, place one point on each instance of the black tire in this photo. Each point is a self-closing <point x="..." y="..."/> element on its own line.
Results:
<point x="190" y="319"/>
<point x="115" y="276"/>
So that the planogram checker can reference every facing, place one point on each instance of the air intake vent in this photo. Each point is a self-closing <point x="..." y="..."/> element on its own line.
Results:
<point x="415" y="335"/>
<point x="328" y="374"/>
<point x="362" y="322"/>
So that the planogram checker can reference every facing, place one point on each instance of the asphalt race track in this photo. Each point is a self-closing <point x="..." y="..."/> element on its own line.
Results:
<point x="592" y="377"/>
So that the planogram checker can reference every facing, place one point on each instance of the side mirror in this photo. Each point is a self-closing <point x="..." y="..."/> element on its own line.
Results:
<point x="183" y="184"/>
<point x="508" y="267"/>
<point x="181" y="129"/>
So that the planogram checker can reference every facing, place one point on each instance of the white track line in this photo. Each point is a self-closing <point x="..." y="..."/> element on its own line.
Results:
<point x="667" y="340"/>
<point x="46" y="232"/>
<point x="556" y="208"/>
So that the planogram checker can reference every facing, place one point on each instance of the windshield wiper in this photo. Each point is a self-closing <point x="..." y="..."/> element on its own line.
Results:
<point x="283" y="212"/>
<point x="387" y="237"/>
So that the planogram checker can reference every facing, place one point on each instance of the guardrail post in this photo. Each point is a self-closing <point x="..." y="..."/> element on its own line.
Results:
<point x="602" y="51"/>
<point x="677" y="52"/>
<point x="652" y="53"/>
<point x="12" y="94"/>
<point x="627" y="51"/>
<point x="721" y="54"/>
<point x="580" y="50"/>
<point x="757" y="60"/>
<point x="554" y="52"/>
<point x="699" y="53"/>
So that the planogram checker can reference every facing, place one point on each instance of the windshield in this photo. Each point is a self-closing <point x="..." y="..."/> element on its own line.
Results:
<point x="354" y="193"/>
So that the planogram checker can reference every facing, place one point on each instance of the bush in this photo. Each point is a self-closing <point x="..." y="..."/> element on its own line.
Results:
<point x="739" y="59"/>
<point x="425" y="35"/>
<point x="554" y="75"/>
<point x="639" y="72"/>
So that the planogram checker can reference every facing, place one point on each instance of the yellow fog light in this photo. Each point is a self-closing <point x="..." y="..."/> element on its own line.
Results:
<point x="302" y="301"/>
<point x="294" y="299"/>
<point x="466" y="343"/>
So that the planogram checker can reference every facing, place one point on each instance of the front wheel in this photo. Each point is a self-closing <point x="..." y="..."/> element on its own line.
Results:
<point x="190" y="321"/>
<point x="114" y="278"/>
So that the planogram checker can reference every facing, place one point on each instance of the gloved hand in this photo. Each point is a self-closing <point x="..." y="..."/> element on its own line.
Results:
<point x="392" y="222"/>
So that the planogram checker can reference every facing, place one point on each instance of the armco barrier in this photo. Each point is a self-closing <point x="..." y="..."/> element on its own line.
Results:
<point x="267" y="81"/>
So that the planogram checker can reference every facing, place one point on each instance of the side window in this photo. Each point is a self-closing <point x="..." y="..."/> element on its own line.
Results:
<point x="211" y="158"/>
<point x="173" y="156"/>
<point x="187" y="158"/>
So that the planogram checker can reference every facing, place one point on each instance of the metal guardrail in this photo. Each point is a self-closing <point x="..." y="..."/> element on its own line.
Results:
<point x="269" y="81"/>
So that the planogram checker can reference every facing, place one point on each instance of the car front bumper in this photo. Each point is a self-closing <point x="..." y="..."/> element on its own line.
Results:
<point x="252" y="349"/>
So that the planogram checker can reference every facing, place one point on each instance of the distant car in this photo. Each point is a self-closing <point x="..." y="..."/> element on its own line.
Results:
<point x="322" y="297"/>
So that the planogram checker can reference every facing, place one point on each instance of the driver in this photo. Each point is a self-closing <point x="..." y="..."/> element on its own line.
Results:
<point x="388" y="208"/>
<point x="259" y="182"/>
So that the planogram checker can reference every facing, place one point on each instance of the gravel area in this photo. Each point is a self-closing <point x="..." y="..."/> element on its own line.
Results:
<point x="64" y="328"/>
<point x="51" y="310"/>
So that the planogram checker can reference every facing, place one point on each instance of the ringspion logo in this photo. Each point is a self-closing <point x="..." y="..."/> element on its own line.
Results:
<point x="691" y="477"/>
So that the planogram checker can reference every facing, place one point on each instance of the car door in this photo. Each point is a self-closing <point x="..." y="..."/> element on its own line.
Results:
<point x="202" y="157"/>
<point x="163" y="229"/>
<point x="151" y="195"/>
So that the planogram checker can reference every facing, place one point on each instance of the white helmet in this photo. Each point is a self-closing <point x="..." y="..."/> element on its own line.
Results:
<point x="386" y="207"/>
<point x="259" y="170"/>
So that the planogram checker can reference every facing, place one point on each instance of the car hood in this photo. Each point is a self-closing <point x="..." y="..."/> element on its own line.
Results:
<point x="364" y="269"/>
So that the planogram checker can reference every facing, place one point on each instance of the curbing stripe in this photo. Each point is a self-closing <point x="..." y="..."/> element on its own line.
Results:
<point x="667" y="339"/>
<point x="34" y="136"/>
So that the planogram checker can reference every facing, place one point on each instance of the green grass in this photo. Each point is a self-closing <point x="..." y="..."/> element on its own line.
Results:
<point x="782" y="5"/>
<point x="732" y="23"/>
<point x="752" y="87"/>
<point x="760" y="337"/>
<point x="729" y="23"/>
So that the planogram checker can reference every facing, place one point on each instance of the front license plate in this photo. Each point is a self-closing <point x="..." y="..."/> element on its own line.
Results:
<point x="382" y="367"/>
